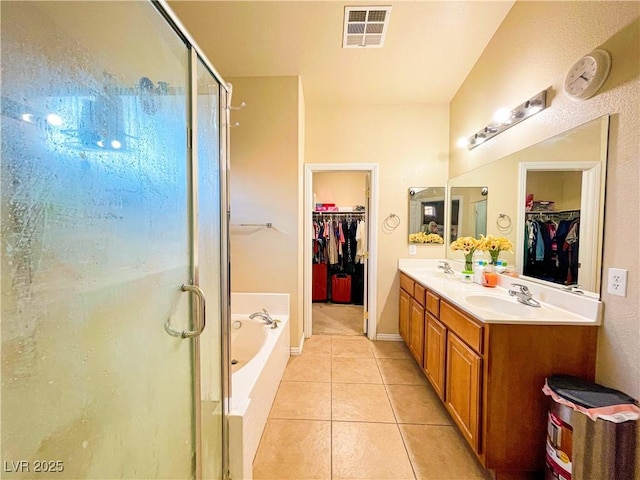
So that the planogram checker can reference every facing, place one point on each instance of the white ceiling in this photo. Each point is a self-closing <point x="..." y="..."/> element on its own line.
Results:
<point x="429" y="49"/>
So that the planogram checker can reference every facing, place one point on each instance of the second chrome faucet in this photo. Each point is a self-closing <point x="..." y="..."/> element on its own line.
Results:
<point x="523" y="295"/>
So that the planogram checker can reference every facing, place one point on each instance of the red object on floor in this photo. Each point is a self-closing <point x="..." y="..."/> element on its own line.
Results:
<point x="341" y="288"/>
<point x="319" y="282"/>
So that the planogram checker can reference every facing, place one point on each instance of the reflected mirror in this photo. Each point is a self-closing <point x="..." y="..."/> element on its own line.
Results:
<point x="426" y="215"/>
<point x="468" y="212"/>
<point x="552" y="195"/>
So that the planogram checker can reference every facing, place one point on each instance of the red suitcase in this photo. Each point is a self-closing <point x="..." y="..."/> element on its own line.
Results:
<point x="319" y="283"/>
<point x="341" y="288"/>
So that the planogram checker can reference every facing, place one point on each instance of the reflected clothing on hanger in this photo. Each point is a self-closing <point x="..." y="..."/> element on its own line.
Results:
<point x="551" y="249"/>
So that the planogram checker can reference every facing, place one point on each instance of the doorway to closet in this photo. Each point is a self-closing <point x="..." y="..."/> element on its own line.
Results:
<point x="339" y="261"/>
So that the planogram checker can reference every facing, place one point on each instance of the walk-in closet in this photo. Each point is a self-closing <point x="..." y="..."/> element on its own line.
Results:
<point x="339" y="252"/>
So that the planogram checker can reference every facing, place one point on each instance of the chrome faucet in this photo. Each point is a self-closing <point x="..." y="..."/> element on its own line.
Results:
<point x="523" y="295"/>
<point x="445" y="266"/>
<point x="573" y="289"/>
<point x="264" y="315"/>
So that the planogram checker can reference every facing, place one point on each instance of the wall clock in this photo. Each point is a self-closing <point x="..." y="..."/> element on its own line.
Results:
<point x="587" y="75"/>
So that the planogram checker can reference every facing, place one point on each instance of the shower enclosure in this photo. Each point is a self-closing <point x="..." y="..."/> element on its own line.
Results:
<point x="113" y="205"/>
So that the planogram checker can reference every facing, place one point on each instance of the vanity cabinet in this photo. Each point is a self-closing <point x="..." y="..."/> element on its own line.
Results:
<point x="405" y="305"/>
<point x="435" y="350"/>
<point x="463" y="387"/>
<point x="490" y="375"/>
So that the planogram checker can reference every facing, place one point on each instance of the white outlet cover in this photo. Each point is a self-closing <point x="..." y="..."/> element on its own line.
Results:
<point x="617" y="282"/>
<point x="412" y="250"/>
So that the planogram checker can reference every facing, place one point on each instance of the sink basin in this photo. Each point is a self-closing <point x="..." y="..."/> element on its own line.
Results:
<point x="505" y="306"/>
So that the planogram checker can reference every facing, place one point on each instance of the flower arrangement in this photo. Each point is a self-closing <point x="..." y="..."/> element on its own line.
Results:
<point x="494" y="245"/>
<point x="423" y="237"/>
<point x="468" y="246"/>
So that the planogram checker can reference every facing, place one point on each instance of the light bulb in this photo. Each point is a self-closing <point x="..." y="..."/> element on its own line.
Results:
<point x="27" y="117"/>
<point x="115" y="144"/>
<point x="100" y="143"/>
<point x="462" y="142"/>
<point x="502" y="115"/>
<point x="54" y="119"/>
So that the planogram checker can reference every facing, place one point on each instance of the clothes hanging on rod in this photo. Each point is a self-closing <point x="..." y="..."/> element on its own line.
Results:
<point x="552" y="246"/>
<point x="339" y="242"/>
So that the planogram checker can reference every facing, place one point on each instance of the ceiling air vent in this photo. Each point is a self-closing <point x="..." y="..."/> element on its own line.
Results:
<point x="365" y="27"/>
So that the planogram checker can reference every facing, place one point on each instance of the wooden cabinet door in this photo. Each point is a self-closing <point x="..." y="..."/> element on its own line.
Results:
<point x="435" y="350"/>
<point x="405" y="305"/>
<point x="463" y="388"/>
<point x="416" y="332"/>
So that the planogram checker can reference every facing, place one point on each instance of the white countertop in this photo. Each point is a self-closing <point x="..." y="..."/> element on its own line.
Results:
<point x="495" y="305"/>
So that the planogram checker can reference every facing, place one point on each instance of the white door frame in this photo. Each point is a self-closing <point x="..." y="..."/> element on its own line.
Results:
<point x="372" y="239"/>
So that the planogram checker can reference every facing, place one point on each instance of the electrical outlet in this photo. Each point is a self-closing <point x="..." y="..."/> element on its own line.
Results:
<point x="617" y="282"/>
<point x="412" y="250"/>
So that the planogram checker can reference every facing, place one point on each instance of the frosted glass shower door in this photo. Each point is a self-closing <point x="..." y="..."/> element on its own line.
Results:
<point x="95" y="244"/>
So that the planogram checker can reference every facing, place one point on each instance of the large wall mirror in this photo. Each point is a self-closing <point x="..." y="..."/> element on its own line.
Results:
<point x="426" y="215"/>
<point x="548" y="199"/>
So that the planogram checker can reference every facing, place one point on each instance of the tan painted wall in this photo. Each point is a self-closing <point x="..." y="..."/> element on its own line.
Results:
<point x="562" y="188"/>
<point x="345" y="189"/>
<point x="531" y="51"/>
<point x="265" y="187"/>
<point x="410" y="145"/>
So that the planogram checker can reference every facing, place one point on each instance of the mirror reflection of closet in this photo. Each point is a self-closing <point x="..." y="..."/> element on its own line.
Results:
<point x="468" y="212"/>
<point x="552" y="216"/>
<point x="426" y="212"/>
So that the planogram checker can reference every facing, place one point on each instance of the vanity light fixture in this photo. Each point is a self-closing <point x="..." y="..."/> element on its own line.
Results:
<point x="505" y="118"/>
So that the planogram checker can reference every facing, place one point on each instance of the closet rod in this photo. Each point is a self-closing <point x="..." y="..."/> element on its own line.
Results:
<point x="338" y="213"/>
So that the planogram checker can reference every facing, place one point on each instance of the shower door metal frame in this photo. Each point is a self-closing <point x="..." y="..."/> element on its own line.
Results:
<point x="195" y="54"/>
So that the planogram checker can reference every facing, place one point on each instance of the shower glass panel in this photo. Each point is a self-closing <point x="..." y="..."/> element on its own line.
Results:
<point x="95" y="243"/>
<point x="209" y="260"/>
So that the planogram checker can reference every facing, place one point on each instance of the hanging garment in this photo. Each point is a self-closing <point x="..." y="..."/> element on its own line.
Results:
<point x="332" y="247"/>
<point x="361" y="242"/>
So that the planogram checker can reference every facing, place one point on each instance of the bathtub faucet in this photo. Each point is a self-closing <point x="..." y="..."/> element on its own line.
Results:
<point x="266" y="317"/>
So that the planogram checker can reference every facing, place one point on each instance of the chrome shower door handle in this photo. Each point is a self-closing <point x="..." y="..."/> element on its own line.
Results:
<point x="200" y="312"/>
<point x="201" y="322"/>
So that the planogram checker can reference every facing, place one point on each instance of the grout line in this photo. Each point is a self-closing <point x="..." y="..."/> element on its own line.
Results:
<point x="331" y="411"/>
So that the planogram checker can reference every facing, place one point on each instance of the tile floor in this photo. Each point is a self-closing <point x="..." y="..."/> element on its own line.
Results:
<point x="349" y="408"/>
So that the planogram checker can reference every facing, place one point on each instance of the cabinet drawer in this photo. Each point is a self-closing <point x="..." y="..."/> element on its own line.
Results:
<point x="462" y="325"/>
<point x="433" y="304"/>
<point x="406" y="283"/>
<point x="418" y="293"/>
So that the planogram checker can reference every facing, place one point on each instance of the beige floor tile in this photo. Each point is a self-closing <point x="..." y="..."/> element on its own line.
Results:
<point x="360" y="403"/>
<point x="396" y="371"/>
<point x="383" y="349"/>
<point x="440" y="453"/>
<point x="354" y="370"/>
<point x="294" y="449"/>
<point x="417" y="404"/>
<point x="369" y="451"/>
<point x="317" y="346"/>
<point x="336" y="319"/>
<point x="302" y="400"/>
<point x="343" y="346"/>
<point x="307" y="368"/>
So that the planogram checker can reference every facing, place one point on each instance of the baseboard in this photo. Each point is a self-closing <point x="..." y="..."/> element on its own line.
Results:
<point x="297" y="350"/>
<point x="389" y="337"/>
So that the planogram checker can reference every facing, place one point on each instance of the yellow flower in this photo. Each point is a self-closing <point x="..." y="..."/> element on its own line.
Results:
<point x="422" y="237"/>
<point x="466" y="244"/>
<point x="494" y="244"/>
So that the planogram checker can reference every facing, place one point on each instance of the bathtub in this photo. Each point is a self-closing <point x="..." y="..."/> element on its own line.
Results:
<point x="259" y="356"/>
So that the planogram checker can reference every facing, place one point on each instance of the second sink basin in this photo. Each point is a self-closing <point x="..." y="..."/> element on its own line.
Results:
<point x="505" y="306"/>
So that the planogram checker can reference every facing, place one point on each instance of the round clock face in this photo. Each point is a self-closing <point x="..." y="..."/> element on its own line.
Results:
<point x="587" y="75"/>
